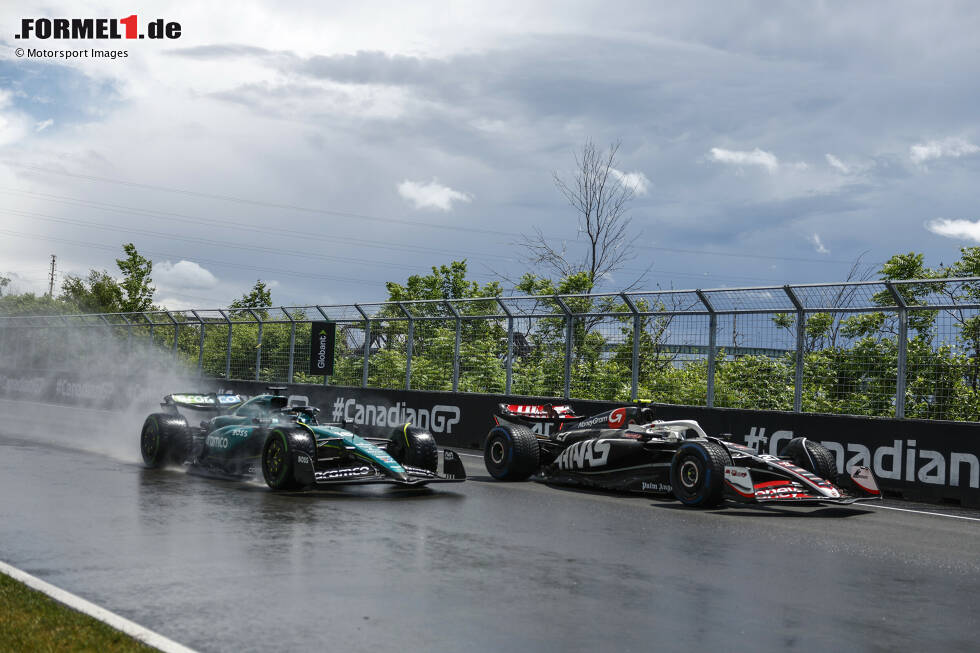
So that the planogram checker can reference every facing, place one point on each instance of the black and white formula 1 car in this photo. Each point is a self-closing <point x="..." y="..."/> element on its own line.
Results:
<point x="286" y="445"/>
<point x="625" y="449"/>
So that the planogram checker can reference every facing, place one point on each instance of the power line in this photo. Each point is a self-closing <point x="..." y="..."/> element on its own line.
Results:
<point x="273" y="205"/>
<point x="417" y="223"/>
<point x="278" y="231"/>
<point x="297" y="273"/>
<point x="194" y="259"/>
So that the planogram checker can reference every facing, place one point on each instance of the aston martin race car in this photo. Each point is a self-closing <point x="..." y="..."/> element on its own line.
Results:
<point x="626" y="449"/>
<point x="286" y="444"/>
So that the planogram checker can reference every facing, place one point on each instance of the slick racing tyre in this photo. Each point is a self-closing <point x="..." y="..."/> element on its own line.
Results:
<point x="164" y="440"/>
<point x="697" y="473"/>
<point x="415" y="447"/>
<point x="279" y="457"/>
<point x="511" y="452"/>
<point x="811" y="456"/>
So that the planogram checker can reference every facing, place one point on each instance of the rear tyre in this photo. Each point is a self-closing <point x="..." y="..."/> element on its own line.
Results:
<point x="511" y="452"/>
<point x="811" y="456"/>
<point x="416" y="447"/>
<point x="165" y="439"/>
<point x="697" y="473"/>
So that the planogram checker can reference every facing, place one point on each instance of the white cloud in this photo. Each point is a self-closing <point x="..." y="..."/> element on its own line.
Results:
<point x="951" y="147"/>
<point x="432" y="195"/>
<point x="818" y="244"/>
<point x="754" y="157"/>
<point x="837" y="163"/>
<point x="637" y="181"/>
<point x="44" y="124"/>
<point x="962" y="229"/>
<point x="183" y="274"/>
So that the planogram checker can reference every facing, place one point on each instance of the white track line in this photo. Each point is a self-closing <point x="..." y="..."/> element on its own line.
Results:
<point x="109" y="618"/>
<point x="918" y="512"/>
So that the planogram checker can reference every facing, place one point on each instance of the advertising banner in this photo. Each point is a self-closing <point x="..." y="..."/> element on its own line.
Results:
<point x="322" y="336"/>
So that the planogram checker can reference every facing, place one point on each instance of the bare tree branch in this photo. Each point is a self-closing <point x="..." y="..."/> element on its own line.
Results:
<point x="600" y="196"/>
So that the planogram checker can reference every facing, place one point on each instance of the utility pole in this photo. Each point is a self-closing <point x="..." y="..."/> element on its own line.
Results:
<point x="51" y="278"/>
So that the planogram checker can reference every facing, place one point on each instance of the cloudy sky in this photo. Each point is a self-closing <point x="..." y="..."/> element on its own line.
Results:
<point x="327" y="148"/>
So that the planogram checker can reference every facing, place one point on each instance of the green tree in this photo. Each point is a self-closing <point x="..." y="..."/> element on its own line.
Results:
<point x="258" y="297"/>
<point x="98" y="293"/>
<point x="135" y="284"/>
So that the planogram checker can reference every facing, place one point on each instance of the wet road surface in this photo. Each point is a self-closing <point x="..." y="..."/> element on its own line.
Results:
<point x="480" y="566"/>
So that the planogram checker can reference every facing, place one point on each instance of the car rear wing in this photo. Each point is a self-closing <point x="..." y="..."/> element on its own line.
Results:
<point x="536" y="412"/>
<point x="202" y="401"/>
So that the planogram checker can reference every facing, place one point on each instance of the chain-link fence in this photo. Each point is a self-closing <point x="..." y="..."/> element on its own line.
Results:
<point x="849" y="348"/>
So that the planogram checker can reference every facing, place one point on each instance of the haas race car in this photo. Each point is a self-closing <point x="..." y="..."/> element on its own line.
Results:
<point x="286" y="445"/>
<point x="626" y="449"/>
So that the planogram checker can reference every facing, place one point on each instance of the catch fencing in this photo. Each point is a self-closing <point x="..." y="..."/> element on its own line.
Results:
<point x="886" y="348"/>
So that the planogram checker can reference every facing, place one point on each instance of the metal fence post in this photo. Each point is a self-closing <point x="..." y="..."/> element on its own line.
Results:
<point x="712" y="347"/>
<point x="456" y="346"/>
<point x="568" y="346"/>
<point x="258" y="345"/>
<point x="176" y="332"/>
<point x="800" y="349"/>
<point x="292" y="343"/>
<point x="367" y="345"/>
<point x="408" y="346"/>
<point x="129" y="335"/>
<point x="509" y="362"/>
<point x="227" y="345"/>
<point x="903" y="344"/>
<point x="200" y="348"/>
<point x="637" y="326"/>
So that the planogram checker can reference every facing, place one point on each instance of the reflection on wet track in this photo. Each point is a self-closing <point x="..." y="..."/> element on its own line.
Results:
<point x="481" y="566"/>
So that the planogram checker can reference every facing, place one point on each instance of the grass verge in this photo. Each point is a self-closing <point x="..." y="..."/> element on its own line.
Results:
<point x="32" y="621"/>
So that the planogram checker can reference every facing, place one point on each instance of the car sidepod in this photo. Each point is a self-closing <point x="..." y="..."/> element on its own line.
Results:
<point x="345" y="458"/>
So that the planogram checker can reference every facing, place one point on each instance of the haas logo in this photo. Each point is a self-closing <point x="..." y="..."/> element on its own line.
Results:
<point x="586" y="454"/>
<point x="617" y="418"/>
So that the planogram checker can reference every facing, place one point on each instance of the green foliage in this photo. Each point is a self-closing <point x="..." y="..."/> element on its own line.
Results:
<point x="98" y="293"/>
<point x="258" y="297"/>
<point x="135" y="284"/>
<point x="31" y="304"/>
<point x="850" y="360"/>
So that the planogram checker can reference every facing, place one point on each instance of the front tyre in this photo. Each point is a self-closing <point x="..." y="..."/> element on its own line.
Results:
<point x="511" y="452"/>
<point x="164" y="440"/>
<point x="410" y="445"/>
<point x="811" y="456"/>
<point x="279" y="452"/>
<point x="697" y="473"/>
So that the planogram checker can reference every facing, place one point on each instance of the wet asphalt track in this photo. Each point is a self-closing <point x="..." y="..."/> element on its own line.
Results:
<point x="481" y="566"/>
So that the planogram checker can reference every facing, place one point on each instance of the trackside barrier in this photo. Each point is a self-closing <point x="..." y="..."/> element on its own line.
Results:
<point x="928" y="460"/>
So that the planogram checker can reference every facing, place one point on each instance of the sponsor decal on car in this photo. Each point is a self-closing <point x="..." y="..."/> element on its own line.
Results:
<point x="216" y="442"/>
<point x="648" y="486"/>
<point x="343" y="472"/>
<point x="587" y="454"/>
<point x="617" y="418"/>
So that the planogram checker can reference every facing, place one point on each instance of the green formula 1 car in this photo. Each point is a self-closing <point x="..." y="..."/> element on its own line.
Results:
<point x="241" y="439"/>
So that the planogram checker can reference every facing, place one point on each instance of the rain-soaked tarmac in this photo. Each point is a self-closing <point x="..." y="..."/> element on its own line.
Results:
<point x="480" y="566"/>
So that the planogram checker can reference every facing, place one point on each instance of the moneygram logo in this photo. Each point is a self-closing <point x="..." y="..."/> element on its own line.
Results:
<point x="97" y="28"/>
